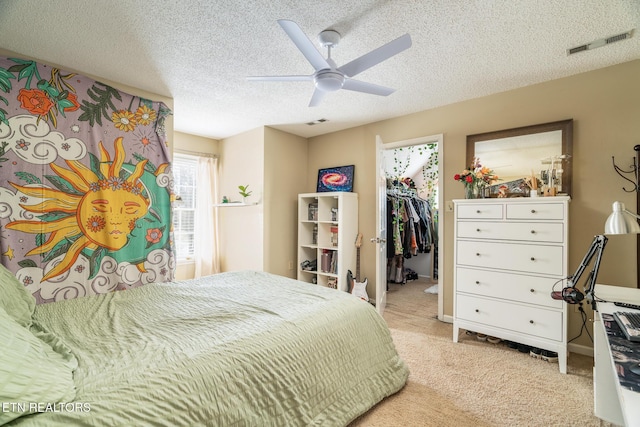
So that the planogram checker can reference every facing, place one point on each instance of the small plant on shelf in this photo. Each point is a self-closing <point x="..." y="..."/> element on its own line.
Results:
<point x="244" y="191"/>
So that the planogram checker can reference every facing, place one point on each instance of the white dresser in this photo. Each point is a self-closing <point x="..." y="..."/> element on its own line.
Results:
<point x="508" y="255"/>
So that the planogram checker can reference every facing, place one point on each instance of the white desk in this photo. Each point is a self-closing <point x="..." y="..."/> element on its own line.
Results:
<point x="612" y="402"/>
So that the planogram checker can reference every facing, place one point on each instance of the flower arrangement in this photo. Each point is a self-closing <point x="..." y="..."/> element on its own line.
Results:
<point x="475" y="178"/>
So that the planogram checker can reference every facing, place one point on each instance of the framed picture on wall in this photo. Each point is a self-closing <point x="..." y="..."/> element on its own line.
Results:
<point x="339" y="178"/>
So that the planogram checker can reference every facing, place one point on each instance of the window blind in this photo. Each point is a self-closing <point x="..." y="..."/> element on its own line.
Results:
<point x="185" y="182"/>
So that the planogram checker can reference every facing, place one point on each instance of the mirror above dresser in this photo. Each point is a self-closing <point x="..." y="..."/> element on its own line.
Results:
<point x="513" y="154"/>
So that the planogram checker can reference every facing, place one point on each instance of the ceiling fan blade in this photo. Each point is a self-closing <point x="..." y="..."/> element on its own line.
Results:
<point x="304" y="44"/>
<point x="317" y="97"/>
<point x="303" y="78"/>
<point x="374" y="89"/>
<point x="376" y="56"/>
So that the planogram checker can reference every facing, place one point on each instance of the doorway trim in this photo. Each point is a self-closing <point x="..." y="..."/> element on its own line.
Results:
<point x="437" y="139"/>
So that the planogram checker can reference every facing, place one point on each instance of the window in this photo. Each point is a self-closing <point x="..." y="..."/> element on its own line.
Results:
<point x="184" y="177"/>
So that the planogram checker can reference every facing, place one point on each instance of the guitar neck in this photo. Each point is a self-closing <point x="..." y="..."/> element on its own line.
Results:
<point x="358" y="265"/>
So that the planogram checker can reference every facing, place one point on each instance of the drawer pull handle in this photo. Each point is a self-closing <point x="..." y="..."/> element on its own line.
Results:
<point x="532" y="290"/>
<point x="477" y="311"/>
<point x="477" y="282"/>
<point x="531" y="321"/>
<point x="533" y="259"/>
<point x="533" y="231"/>
<point x="477" y="254"/>
<point x="478" y="211"/>
<point x="533" y="211"/>
<point x="478" y="230"/>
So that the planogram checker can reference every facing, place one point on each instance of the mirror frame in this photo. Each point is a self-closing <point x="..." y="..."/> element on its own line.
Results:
<point x="566" y="126"/>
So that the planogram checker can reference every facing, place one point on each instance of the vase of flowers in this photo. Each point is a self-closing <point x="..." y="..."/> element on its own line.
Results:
<point x="472" y="191"/>
<point x="475" y="179"/>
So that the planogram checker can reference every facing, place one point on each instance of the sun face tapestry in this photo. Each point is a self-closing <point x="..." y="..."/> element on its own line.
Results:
<point x="85" y="185"/>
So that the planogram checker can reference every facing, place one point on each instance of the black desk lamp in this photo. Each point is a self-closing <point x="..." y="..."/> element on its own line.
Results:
<point x="621" y="221"/>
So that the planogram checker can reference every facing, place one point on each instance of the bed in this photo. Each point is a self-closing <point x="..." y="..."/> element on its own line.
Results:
<point x="233" y="349"/>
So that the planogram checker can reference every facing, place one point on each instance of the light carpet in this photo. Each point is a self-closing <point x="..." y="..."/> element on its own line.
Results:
<point x="474" y="382"/>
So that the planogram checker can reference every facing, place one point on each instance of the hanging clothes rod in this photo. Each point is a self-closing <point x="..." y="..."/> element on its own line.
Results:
<point x="195" y="153"/>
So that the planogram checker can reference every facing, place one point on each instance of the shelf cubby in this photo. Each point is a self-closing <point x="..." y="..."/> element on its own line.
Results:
<point x="327" y="224"/>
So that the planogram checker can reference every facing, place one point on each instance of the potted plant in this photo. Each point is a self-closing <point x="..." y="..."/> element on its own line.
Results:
<point x="244" y="192"/>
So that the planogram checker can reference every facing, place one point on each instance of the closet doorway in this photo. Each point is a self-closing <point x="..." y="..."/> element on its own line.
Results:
<point x="409" y="169"/>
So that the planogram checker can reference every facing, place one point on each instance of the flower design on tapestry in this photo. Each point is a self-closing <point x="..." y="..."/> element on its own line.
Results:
<point x="49" y="98"/>
<point x="96" y="223"/>
<point x="154" y="235"/>
<point x="124" y="120"/>
<point x="21" y="144"/>
<point x="145" y="115"/>
<point x="35" y="101"/>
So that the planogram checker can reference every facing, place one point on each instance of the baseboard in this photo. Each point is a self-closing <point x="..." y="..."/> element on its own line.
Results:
<point x="580" y="349"/>
<point x="447" y="318"/>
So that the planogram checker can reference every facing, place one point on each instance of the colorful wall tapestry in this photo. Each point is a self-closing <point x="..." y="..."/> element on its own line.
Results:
<point x="85" y="184"/>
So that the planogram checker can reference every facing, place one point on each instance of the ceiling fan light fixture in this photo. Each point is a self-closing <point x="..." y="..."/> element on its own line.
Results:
<point x="329" y="81"/>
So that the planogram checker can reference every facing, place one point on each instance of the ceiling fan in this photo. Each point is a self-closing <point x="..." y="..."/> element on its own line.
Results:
<point x="328" y="77"/>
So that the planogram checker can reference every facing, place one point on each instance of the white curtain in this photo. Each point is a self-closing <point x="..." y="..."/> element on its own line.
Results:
<point x="206" y="222"/>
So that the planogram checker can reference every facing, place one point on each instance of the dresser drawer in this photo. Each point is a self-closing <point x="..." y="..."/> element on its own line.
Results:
<point x="510" y="286"/>
<point x="542" y="259"/>
<point x="528" y="231"/>
<point x="535" y="211"/>
<point x="530" y="320"/>
<point x="480" y="211"/>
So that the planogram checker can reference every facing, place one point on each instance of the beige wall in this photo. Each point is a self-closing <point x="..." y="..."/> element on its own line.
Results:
<point x="194" y="144"/>
<point x="355" y="146"/>
<point x="264" y="236"/>
<point x="242" y="228"/>
<point x="605" y="106"/>
<point x="261" y="236"/>
<point x="285" y="164"/>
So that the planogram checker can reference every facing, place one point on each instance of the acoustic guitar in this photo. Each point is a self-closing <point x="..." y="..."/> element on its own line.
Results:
<point x="359" y="288"/>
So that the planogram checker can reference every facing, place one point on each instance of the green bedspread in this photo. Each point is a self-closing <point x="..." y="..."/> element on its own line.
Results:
<point x="233" y="349"/>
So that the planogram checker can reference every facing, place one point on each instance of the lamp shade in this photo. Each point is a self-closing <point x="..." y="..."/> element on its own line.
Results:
<point x="621" y="221"/>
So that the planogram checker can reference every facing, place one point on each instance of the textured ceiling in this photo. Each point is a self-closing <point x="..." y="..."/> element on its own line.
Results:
<point x="199" y="52"/>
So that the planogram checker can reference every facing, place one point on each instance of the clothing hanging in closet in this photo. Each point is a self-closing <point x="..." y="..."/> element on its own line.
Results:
<point x="411" y="228"/>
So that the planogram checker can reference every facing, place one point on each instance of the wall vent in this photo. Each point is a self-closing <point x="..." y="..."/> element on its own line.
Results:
<point x="315" y="122"/>
<point x="578" y="49"/>
<point x="618" y="37"/>
<point x="600" y="42"/>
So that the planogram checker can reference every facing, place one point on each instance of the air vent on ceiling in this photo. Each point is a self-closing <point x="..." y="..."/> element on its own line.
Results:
<point x="600" y="42"/>
<point x="315" y="122"/>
